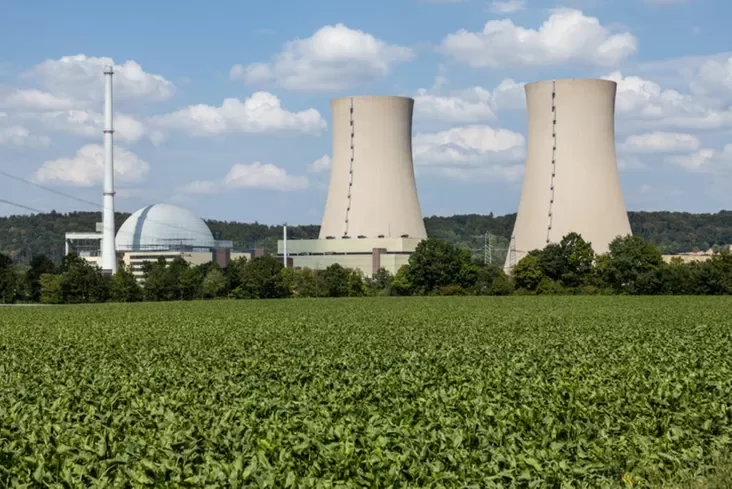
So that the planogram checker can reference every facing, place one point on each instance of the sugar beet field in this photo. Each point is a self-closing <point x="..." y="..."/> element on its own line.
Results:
<point x="424" y="392"/>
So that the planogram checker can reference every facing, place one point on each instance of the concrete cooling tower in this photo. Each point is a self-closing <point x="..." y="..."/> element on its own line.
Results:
<point x="372" y="189"/>
<point x="372" y="216"/>
<point x="571" y="181"/>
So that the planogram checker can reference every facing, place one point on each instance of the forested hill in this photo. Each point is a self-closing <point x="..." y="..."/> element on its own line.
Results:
<point x="674" y="232"/>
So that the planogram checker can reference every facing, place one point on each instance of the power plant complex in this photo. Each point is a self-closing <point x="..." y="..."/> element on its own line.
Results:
<point x="372" y="217"/>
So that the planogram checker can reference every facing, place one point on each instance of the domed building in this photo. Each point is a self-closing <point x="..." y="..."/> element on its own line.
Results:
<point x="164" y="227"/>
<point x="157" y="231"/>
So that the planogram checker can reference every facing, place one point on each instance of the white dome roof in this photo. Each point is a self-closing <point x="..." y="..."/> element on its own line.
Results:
<point x="160" y="226"/>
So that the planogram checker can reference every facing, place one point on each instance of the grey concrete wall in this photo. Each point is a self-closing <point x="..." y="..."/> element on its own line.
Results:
<point x="372" y="188"/>
<point x="571" y="181"/>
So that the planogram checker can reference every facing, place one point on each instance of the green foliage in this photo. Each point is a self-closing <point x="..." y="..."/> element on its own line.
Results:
<point x="51" y="289"/>
<point x="261" y="278"/>
<point x="401" y="285"/>
<point x="406" y="392"/>
<point x="629" y="261"/>
<point x="527" y="273"/>
<point x="437" y="263"/>
<point x="124" y="286"/>
<point x="214" y="284"/>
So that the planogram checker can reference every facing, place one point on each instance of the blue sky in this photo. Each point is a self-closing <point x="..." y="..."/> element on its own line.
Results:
<point x="223" y="106"/>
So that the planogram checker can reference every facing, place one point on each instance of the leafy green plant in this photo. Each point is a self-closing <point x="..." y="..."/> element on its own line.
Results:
<point x="494" y="392"/>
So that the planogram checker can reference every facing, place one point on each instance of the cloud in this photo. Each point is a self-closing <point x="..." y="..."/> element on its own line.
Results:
<point x="471" y="105"/>
<point x="321" y="164"/>
<point x="475" y="104"/>
<point x="660" y="142"/>
<point x="649" y="105"/>
<point x="705" y="160"/>
<point x="248" y="175"/>
<point x="476" y="150"/>
<point x="89" y="124"/>
<point x="567" y="36"/>
<point x="32" y="99"/>
<point x="260" y="113"/>
<point x="507" y="7"/>
<point x="86" y="168"/>
<point x="20" y="137"/>
<point x="263" y="175"/>
<point x="714" y="78"/>
<point x="81" y="77"/>
<point x="333" y="58"/>
<point x="200" y="187"/>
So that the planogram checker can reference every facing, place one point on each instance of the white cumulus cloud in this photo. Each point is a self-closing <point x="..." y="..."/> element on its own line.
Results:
<point x="660" y="142"/>
<point x="263" y="175"/>
<point x="567" y="36"/>
<point x="333" y="58"/>
<point x="21" y="137"/>
<point x="86" y="168"/>
<point x="260" y="113"/>
<point x="320" y="165"/>
<point x="81" y="77"/>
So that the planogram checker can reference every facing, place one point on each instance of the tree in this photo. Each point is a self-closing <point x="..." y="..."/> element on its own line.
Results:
<point x="83" y="282"/>
<point x="235" y="272"/>
<point x="527" y="273"/>
<point x="336" y="279"/>
<point x="356" y="285"/>
<point x="51" y="289"/>
<point x="10" y="283"/>
<point x="578" y="257"/>
<point x="436" y="263"/>
<point x="401" y="284"/>
<point x="39" y="265"/>
<point x="262" y="279"/>
<point x="123" y="286"/>
<point x="190" y="282"/>
<point x="493" y="281"/>
<point x="155" y="286"/>
<point x="629" y="258"/>
<point x="304" y="283"/>
<point x="214" y="284"/>
<point x="380" y="282"/>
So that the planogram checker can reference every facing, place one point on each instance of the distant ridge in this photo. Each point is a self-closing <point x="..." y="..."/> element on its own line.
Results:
<point x="24" y="236"/>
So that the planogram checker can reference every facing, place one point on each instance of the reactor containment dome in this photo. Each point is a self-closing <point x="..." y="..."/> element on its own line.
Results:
<point x="163" y="227"/>
<point x="571" y="181"/>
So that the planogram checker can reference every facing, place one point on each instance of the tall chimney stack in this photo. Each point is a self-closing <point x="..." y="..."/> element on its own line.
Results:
<point x="109" y="252"/>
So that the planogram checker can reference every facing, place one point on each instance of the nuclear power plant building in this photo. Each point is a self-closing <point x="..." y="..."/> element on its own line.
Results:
<point x="372" y="215"/>
<point x="571" y="181"/>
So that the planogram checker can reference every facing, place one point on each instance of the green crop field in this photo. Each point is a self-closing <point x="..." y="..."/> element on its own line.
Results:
<point x="533" y="392"/>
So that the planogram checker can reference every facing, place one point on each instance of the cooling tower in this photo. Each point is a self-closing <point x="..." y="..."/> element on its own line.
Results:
<point x="571" y="181"/>
<point x="372" y="190"/>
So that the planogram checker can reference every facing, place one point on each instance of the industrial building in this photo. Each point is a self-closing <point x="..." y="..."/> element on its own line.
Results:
<point x="571" y="181"/>
<point x="153" y="232"/>
<point x="157" y="231"/>
<point x="372" y="216"/>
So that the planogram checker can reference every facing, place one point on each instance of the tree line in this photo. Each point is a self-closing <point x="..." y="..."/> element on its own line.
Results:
<point x="437" y="267"/>
<point x="25" y="236"/>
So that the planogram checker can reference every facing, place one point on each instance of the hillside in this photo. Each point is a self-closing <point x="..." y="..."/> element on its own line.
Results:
<point x="674" y="232"/>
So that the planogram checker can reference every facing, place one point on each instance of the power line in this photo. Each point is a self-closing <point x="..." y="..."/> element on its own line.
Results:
<point x="21" y="206"/>
<point x="95" y="204"/>
<point x="57" y="192"/>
